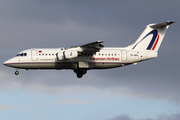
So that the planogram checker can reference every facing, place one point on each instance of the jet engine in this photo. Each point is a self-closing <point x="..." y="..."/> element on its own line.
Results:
<point x="66" y="55"/>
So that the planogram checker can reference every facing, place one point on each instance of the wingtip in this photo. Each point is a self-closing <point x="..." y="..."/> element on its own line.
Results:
<point x="100" y="41"/>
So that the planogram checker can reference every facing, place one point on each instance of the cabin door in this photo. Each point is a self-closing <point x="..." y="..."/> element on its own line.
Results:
<point x="123" y="55"/>
<point x="34" y="56"/>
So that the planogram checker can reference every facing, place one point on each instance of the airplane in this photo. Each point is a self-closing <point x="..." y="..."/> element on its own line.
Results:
<point x="93" y="55"/>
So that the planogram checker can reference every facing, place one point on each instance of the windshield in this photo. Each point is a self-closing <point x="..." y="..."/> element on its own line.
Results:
<point x="22" y="54"/>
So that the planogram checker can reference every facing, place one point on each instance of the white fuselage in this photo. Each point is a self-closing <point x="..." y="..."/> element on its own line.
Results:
<point x="38" y="58"/>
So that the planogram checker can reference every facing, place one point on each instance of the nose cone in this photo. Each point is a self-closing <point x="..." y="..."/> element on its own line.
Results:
<point x="6" y="63"/>
<point x="11" y="62"/>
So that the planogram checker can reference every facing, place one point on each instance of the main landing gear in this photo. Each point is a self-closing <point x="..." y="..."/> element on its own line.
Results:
<point x="80" y="72"/>
<point x="17" y="72"/>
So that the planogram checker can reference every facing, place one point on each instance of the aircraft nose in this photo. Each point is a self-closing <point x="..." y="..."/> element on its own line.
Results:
<point x="6" y="63"/>
<point x="11" y="62"/>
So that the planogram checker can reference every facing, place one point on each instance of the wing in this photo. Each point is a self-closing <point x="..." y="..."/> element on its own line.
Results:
<point x="88" y="47"/>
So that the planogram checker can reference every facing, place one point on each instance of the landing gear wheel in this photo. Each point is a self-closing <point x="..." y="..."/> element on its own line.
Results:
<point x="79" y="75"/>
<point x="80" y="72"/>
<point x="17" y="72"/>
<point x="83" y="71"/>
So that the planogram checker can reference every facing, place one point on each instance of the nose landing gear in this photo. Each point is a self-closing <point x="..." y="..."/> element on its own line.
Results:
<point x="17" y="72"/>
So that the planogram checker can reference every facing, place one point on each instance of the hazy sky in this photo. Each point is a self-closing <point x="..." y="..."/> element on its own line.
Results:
<point x="147" y="91"/>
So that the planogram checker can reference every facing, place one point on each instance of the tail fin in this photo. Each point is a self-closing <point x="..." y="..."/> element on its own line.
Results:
<point x="151" y="37"/>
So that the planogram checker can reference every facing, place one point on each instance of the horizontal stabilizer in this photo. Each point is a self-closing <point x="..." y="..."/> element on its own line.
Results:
<point x="161" y="24"/>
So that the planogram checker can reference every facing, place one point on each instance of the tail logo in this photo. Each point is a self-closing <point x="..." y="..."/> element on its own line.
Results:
<point x="154" y="40"/>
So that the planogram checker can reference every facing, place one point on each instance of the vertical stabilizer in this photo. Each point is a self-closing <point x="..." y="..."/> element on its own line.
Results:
<point x="151" y="38"/>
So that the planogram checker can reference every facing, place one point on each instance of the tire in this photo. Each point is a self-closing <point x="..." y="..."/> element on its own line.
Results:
<point x="79" y="75"/>
<point x="16" y="73"/>
<point x="83" y="71"/>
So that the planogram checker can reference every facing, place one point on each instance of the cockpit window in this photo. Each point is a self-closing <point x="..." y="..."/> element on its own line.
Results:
<point x="18" y="55"/>
<point x="22" y="54"/>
